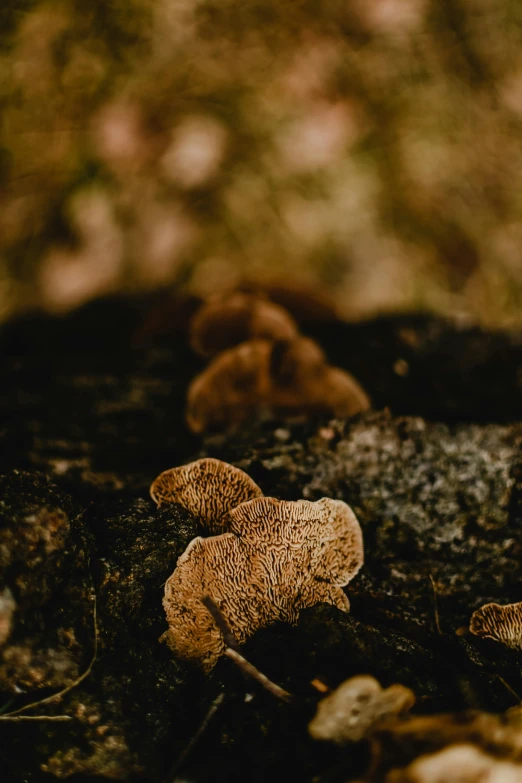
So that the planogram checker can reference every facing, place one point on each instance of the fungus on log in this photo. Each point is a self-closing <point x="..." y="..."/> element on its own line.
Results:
<point x="208" y="488"/>
<point x="278" y="558"/>
<point x="286" y="376"/>
<point x="501" y="623"/>
<point x="236" y="318"/>
<point x="356" y="707"/>
<point x="231" y="388"/>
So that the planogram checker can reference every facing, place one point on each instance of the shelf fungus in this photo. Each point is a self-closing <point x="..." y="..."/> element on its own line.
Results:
<point x="208" y="488"/>
<point x="353" y="710"/>
<point x="501" y="623"/>
<point x="277" y="558"/>
<point x="285" y="376"/>
<point x="239" y="317"/>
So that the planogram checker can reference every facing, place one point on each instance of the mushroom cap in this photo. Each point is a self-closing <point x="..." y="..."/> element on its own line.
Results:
<point x="352" y="710"/>
<point x="331" y="390"/>
<point x="231" y="388"/>
<point x="326" y="534"/>
<point x="295" y="361"/>
<point x="237" y="318"/>
<point x="273" y="563"/>
<point x="208" y="488"/>
<point x="501" y="623"/>
<point x="289" y="376"/>
<point x="342" y="394"/>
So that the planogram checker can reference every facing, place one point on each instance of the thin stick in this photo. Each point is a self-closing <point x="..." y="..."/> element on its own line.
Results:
<point x="509" y="688"/>
<point x="216" y="704"/>
<point x="232" y="652"/>
<point x="251" y="670"/>
<point x="228" y="636"/>
<point x="435" y="605"/>
<point x="81" y="678"/>
<point x="20" y="718"/>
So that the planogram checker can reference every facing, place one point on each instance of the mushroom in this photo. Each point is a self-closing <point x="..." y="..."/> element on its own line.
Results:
<point x="463" y="763"/>
<point x="356" y="707"/>
<point x="288" y="376"/>
<point x="501" y="623"/>
<point x="231" y="388"/>
<point x="237" y="318"/>
<point x="208" y="488"/>
<point x="277" y="558"/>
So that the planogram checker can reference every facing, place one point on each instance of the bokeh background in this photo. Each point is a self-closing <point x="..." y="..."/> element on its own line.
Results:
<point x="369" y="148"/>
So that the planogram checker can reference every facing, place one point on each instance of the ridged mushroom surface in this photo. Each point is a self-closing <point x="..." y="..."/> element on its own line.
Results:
<point x="208" y="488"/>
<point x="501" y="623"/>
<point x="278" y="558"/>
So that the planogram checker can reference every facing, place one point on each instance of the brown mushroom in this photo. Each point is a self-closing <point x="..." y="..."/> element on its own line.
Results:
<point x="287" y="376"/>
<point x="231" y="388"/>
<point x="208" y="488"/>
<point x="501" y="623"/>
<point x="356" y="707"/>
<point x="237" y="318"/>
<point x="278" y="558"/>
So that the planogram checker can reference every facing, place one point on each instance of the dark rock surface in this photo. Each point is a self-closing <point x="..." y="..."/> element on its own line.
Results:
<point x="90" y="418"/>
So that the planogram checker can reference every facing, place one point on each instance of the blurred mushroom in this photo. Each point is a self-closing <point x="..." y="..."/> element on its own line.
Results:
<point x="356" y="707"/>
<point x="231" y="388"/>
<point x="308" y="305"/>
<point x="459" y="764"/>
<point x="208" y="488"/>
<point x="237" y="318"/>
<point x="278" y="558"/>
<point x="287" y="376"/>
<point x="501" y="623"/>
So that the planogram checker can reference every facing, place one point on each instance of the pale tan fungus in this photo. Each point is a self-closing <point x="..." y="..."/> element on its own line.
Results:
<point x="208" y="488"/>
<point x="501" y="623"/>
<point x="236" y="318"/>
<point x="356" y="707"/>
<point x="278" y="558"/>
<point x="457" y="764"/>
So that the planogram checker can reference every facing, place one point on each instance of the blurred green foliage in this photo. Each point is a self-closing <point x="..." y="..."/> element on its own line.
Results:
<point x="371" y="148"/>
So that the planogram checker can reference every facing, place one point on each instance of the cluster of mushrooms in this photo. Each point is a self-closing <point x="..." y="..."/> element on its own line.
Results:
<point x="260" y="362"/>
<point x="264" y="560"/>
<point x="471" y="747"/>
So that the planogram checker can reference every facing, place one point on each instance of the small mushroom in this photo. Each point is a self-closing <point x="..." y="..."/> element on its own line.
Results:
<point x="356" y="707"/>
<point x="278" y="558"/>
<point x="332" y="392"/>
<point x="231" y="388"/>
<point x="463" y="763"/>
<point x="237" y="318"/>
<point x="208" y="488"/>
<point x="501" y="623"/>
<point x="287" y="376"/>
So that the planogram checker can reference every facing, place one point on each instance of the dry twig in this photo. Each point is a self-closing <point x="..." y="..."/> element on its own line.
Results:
<point x="57" y="696"/>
